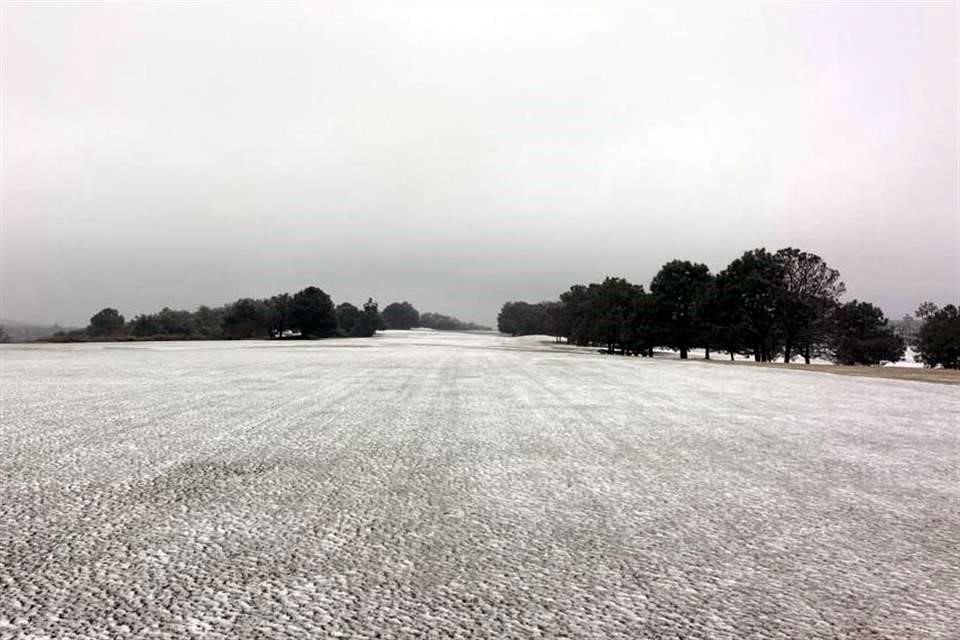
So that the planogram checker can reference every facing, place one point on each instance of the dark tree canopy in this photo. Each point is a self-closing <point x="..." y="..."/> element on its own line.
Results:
<point x="553" y="320"/>
<point x="312" y="313"/>
<point x="204" y="323"/>
<point x="368" y="320"/>
<point x="106" y="322"/>
<point x="862" y="336"/>
<point x="401" y="315"/>
<point x="175" y="322"/>
<point x="307" y="314"/>
<point x="246" y="318"/>
<point x="680" y="292"/>
<point x="614" y="313"/>
<point x="642" y="331"/>
<point x="578" y="314"/>
<point x="145" y="325"/>
<point x="347" y="315"/>
<point x="441" y="322"/>
<point x="810" y="291"/>
<point x="750" y="287"/>
<point x="208" y="322"/>
<point x="278" y="310"/>
<point x="938" y="340"/>
<point x="926" y="309"/>
<point x="521" y="319"/>
<point x="613" y="308"/>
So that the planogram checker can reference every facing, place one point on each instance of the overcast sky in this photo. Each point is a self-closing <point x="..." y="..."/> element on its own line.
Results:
<point x="459" y="157"/>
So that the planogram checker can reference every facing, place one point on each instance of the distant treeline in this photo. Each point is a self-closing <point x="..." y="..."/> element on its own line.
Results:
<point x="403" y="315"/>
<point x="765" y="305"/>
<point x="309" y="313"/>
<point x="12" y="331"/>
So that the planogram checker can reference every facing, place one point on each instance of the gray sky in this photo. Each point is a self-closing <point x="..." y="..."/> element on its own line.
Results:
<point x="459" y="157"/>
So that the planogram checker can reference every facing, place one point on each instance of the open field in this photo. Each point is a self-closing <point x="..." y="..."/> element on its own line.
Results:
<point x="460" y="485"/>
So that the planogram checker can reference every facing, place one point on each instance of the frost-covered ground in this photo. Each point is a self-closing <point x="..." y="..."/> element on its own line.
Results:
<point x="457" y="485"/>
<point x="909" y="357"/>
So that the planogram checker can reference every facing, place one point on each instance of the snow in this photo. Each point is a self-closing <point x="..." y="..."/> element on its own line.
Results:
<point x="910" y="359"/>
<point x="467" y="485"/>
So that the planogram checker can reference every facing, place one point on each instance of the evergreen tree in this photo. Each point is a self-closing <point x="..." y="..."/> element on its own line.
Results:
<point x="208" y="322"/>
<point x="312" y="313"/>
<point x="862" y="336"/>
<point x="400" y="315"/>
<point x="145" y="325"/>
<point x="175" y="323"/>
<point x="578" y="314"/>
<point x="246" y="318"/>
<point x="641" y="332"/>
<point x="347" y="315"/>
<point x="521" y="319"/>
<point x="750" y="291"/>
<point x="614" y="307"/>
<point x="368" y="321"/>
<point x="939" y="338"/>
<point x="278" y="314"/>
<point x="680" y="293"/>
<point x="553" y="324"/>
<point x="106" y="322"/>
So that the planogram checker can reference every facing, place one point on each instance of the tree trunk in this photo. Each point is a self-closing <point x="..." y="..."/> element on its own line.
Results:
<point x="706" y="352"/>
<point x="683" y="353"/>
<point x="731" y="356"/>
<point x="788" y="350"/>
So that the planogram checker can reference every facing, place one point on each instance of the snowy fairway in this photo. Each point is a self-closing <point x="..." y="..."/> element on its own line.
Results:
<point x="457" y="485"/>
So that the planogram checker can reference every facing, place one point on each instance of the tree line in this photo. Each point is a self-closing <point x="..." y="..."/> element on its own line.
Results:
<point x="403" y="315"/>
<point x="764" y="305"/>
<point x="308" y="313"/>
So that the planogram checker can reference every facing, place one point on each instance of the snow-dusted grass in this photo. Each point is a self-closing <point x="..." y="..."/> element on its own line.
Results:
<point x="909" y="358"/>
<point x="467" y="485"/>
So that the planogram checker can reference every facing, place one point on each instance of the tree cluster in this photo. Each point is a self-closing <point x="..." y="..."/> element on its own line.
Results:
<point x="765" y="305"/>
<point x="309" y="313"/>
<point x="440" y="322"/>
<point x="401" y="315"/>
<point x="938" y="339"/>
<point x="522" y="318"/>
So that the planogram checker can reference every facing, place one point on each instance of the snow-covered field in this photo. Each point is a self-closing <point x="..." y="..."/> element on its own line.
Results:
<point x="465" y="485"/>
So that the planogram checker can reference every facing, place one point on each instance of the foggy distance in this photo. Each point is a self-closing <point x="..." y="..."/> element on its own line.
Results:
<point x="158" y="155"/>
